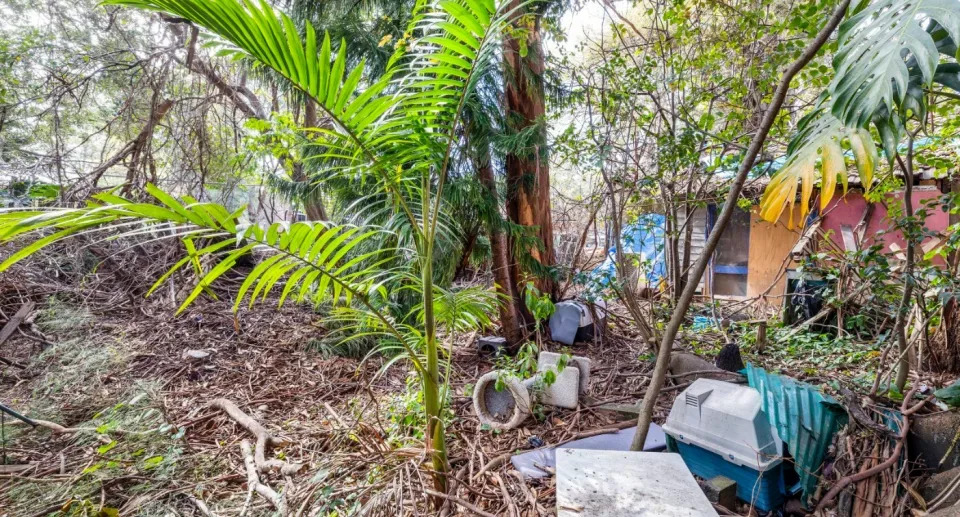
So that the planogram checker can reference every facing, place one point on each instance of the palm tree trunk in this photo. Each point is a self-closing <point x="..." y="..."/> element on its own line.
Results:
<point x="434" y="434"/>
<point x="528" y="173"/>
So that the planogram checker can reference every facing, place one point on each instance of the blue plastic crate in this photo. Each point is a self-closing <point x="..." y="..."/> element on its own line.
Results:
<point x="765" y="489"/>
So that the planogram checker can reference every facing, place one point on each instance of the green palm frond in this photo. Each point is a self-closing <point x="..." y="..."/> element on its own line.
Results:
<point x="463" y="309"/>
<point x="309" y="261"/>
<point x="399" y="127"/>
<point x="821" y="137"/>
<point x="394" y="339"/>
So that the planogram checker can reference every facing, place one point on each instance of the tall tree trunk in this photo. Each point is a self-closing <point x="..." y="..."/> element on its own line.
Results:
<point x="313" y="207"/>
<point x="528" y="172"/>
<point x="501" y="263"/>
<point x="469" y="243"/>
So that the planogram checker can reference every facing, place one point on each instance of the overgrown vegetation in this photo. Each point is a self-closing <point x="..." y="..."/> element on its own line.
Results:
<point x="413" y="174"/>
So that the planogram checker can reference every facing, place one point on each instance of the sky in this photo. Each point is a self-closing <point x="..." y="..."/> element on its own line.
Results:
<point x="588" y="22"/>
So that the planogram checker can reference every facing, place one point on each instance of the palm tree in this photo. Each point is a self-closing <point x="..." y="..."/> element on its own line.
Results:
<point x="400" y="131"/>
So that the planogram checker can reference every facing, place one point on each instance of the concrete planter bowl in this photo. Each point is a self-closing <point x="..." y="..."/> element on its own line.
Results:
<point x="509" y="407"/>
<point x="505" y="409"/>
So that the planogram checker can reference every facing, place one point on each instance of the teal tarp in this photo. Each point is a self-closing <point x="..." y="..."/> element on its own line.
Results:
<point x="805" y="419"/>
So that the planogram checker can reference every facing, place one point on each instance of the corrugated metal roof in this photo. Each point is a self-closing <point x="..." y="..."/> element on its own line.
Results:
<point x="805" y="418"/>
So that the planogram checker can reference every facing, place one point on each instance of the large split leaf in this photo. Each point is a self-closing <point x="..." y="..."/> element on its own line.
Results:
<point x="821" y="141"/>
<point x="878" y="46"/>
<point x="889" y="54"/>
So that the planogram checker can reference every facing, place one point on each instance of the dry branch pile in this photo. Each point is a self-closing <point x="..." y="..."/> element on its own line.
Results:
<point x="255" y="423"/>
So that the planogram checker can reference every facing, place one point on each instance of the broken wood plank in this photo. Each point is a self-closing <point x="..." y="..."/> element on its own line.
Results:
<point x="897" y="251"/>
<point x="15" y="321"/>
<point x="930" y="244"/>
<point x="802" y="248"/>
<point x="849" y="241"/>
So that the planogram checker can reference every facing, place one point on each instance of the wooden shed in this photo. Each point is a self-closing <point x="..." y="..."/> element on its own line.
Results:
<point x="754" y="258"/>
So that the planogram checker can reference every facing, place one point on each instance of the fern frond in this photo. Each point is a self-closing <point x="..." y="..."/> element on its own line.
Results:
<point x="304" y="262"/>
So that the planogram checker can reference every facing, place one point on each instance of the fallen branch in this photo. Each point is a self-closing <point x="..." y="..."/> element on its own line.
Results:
<point x="254" y="484"/>
<point x="201" y="506"/>
<point x="264" y="439"/>
<point x="855" y="411"/>
<point x="15" y="364"/>
<point x="887" y="463"/>
<point x="15" y="321"/>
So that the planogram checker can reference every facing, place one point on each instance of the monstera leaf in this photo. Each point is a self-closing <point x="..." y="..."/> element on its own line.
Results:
<point x="821" y="139"/>
<point x="870" y="63"/>
<point x="889" y="54"/>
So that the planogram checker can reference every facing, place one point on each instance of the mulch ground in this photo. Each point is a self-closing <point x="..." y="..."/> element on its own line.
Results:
<point x="339" y="416"/>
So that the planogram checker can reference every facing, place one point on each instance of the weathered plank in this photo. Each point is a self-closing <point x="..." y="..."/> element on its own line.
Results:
<point x="15" y="321"/>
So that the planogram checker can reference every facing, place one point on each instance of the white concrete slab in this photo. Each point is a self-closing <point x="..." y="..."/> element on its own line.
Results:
<point x="627" y="484"/>
<point x="531" y="463"/>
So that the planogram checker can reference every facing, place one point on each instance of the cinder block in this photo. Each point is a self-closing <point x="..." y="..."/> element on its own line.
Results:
<point x="564" y="392"/>
<point x="550" y="359"/>
<point x="721" y="490"/>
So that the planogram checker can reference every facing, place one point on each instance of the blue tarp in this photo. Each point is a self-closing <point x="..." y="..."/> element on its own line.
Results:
<point x="644" y="239"/>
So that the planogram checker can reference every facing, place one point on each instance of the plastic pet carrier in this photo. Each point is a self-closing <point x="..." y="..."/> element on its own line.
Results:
<point x="719" y="429"/>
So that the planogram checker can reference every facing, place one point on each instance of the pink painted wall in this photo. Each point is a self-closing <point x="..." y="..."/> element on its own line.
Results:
<point x="849" y="209"/>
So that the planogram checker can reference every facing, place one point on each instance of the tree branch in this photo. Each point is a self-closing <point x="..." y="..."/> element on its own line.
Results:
<point x="680" y="311"/>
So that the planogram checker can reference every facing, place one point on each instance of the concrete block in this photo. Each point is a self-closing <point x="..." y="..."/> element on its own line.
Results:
<point x="627" y="484"/>
<point x="547" y="359"/>
<point x="491" y="345"/>
<point x="565" y="390"/>
<point x="622" y="411"/>
<point x="721" y="490"/>
<point x="937" y="484"/>
<point x="930" y="438"/>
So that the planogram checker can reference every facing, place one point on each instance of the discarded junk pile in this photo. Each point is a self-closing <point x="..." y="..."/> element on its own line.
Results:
<point x="503" y="402"/>
<point x="719" y="429"/>
<point x="734" y="437"/>
<point x="733" y="434"/>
